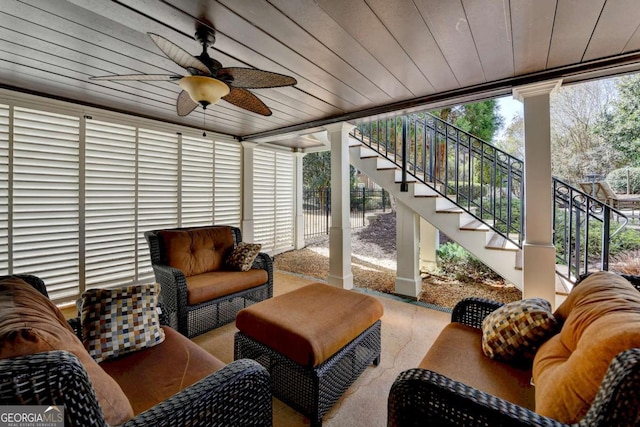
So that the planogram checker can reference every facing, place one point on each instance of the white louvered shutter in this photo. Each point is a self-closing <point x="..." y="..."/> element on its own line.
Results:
<point x="157" y="189"/>
<point x="284" y="202"/>
<point x="264" y="189"/>
<point x="228" y="183"/>
<point x="4" y="189"/>
<point x="110" y="206"/>
<point x="46" y="199"/>
<point x="197" y="182"/>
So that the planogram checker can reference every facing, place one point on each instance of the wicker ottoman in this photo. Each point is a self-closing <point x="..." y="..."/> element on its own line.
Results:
<point x="315" y="342"/>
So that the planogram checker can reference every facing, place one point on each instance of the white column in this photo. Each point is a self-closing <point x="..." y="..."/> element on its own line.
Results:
<point x="299" y="185"/>
<point x="538" y="251"/>
<point x="247" y="190"/>
<point x="429" y="243"/>
<point x="408" y="280"/>
<point x="340" y="274"/>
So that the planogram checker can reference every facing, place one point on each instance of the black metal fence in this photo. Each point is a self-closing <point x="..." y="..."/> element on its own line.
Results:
<point x="317" y="208"/>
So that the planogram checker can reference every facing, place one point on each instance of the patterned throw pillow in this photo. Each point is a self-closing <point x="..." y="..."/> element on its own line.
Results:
<point x="514" y="331"/>
<point x="120" y="321"/>
<point x="243" y="256"/>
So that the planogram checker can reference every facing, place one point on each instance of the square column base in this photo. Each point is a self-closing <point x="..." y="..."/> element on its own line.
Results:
<point x="539" y="272"/>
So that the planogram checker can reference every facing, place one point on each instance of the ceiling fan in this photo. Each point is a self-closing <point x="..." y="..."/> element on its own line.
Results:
<point x="208" y="81"/>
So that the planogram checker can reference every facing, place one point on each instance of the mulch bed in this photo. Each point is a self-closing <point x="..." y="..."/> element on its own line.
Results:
<point x="373" y="267"/>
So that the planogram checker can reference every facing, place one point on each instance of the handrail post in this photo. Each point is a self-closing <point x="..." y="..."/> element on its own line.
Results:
<point x="606" y="223"/>
<point x="327" y="199"/>
<point x="364" y="204"/>
<point x="578" y="244"/>
<point x="404" y="186"/>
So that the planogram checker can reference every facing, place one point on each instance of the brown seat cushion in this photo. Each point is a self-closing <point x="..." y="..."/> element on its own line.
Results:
<point x="197" y="250"/>
<point x="457" y="353"/>
<point x="601" y="319"/>
<point x="207" y="286"/>
<point x="30" y="323"/>
<point x="310" y="324"/>
<point x="154" y="374"/>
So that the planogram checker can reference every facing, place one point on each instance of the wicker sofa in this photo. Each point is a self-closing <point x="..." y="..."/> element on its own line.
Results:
<point x="456" y="384"/>
<point x="173" y="383"/>
<point x="198" y="290"/>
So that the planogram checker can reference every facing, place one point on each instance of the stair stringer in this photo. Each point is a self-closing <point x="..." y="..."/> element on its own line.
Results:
<point x="440" y="212"/>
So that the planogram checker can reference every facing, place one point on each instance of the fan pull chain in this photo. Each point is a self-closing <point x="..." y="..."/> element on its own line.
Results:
<point x="204" y="117"/>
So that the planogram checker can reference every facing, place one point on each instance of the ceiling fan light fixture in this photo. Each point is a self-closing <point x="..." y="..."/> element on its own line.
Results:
<point x="204" y="90"/>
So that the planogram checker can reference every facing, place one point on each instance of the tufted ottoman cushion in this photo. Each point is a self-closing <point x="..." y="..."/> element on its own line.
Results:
<point x="310" y="324"/>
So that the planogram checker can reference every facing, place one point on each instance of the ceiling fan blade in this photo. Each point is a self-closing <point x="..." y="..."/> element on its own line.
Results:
<point x="254" y="79"/>
<point x="139" y="77"/>
<point x="244" y="99"/>
<point x="179" y="55"/>
<point x="184" y="104"/>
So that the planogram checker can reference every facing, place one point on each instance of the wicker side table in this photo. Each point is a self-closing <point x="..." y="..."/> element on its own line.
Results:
<point x="289" y="338"/>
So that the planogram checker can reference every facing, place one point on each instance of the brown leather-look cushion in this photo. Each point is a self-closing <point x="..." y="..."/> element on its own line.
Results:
<point x="197" y="250"/>
<point x="310" y="324"/>
<point x="30" y="323"/>
<point x="457" y="354"/>
<point x="154" y="374"/>
<point x="601" y="319"/>
<point x="207" y="286"/>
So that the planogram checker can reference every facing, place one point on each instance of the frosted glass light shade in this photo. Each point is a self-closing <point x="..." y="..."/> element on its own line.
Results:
<point x="204" y="90"/>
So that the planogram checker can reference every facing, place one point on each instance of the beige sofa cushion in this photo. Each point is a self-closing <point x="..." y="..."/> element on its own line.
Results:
<point x="30" y="323"/>
<point x="457" y="354"/>
<point x="601" y="319"/>
<point x="197" y="250"/>
<point x="154" y="374"/>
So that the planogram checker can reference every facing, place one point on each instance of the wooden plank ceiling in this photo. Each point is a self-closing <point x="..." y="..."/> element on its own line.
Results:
<point x="350" y="58"/>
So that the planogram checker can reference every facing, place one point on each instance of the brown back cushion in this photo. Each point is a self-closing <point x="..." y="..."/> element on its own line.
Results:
<point x="30" y="323"/>
<point x="196" y="251"/>
<point x="601" y="319"/>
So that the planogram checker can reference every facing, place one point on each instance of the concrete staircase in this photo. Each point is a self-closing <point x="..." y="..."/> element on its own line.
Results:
<point x="500" y="254"/>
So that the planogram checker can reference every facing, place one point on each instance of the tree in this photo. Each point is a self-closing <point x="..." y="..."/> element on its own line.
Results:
<point x="316" y="171"/>
<point x="577" y="149"/>
<point x="512" y="141"/>
<point x="481" y="119"/>
<point x="620" y="125"/>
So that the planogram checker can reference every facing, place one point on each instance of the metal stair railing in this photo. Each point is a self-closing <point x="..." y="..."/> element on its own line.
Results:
<point x="583" y="230"/>
<point x="481" y="179"/>
<point x="488" y="184"/>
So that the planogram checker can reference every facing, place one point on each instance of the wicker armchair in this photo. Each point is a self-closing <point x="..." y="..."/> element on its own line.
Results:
<point x="422" y="397"/>
<point x="194" y="319"/>
<point x="238" y="394"/>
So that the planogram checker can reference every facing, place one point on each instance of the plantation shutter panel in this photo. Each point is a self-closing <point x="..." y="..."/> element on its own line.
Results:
<point x="110" y="215"/>
<point x="228" y="183"/>
<point x="46" y="199"/>
<point x="4" y="188"/>
<point x="264" y="188"/>
<point x="197" y="182"/>
<point x="157" y="189"/>
<point x="284" y="203"/>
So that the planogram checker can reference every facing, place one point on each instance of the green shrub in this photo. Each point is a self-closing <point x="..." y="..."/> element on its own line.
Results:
<point x="617" y="179"/>
<point x="628" y="239"/>
<point x="456" y="261"/>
